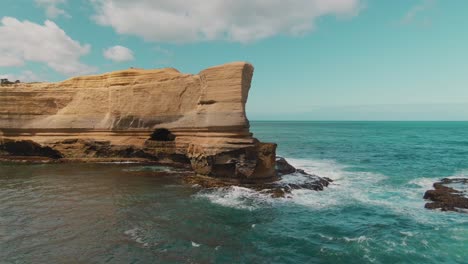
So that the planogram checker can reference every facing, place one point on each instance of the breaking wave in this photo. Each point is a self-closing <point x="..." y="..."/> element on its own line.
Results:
<point x="347" y="189"/>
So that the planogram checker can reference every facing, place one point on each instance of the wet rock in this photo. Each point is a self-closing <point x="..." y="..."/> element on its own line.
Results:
<point x="327" y="179"/>
<point x="207" y="182"/>
<point x="249" y="164"/>
<point x="446" y="197"/>
<point x="312" y="182"/>
<point x="276" y="189"/>
<point x="278" y="192"/>
<point x="283" y="167"/>
<point x="99" y="149"/>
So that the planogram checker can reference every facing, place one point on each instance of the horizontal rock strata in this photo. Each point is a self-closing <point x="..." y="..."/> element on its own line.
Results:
<point x="160" y="115"/>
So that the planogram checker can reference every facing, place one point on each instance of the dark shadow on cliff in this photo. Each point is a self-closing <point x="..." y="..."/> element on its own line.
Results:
<point x="28" y="148"/>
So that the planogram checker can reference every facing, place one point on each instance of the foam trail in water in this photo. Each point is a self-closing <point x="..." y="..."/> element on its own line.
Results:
<point x="236" y="197"/>
<point x="348" y="189"/>
<point x="195" y="244"/>
<point x="134" y="235"/>
<point x="345" y="183"/>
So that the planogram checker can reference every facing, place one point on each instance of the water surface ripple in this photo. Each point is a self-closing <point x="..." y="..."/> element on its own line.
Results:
<point x="373" y="213"/>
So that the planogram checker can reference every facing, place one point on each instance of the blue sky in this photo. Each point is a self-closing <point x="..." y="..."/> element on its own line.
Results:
<point x="314" y="59"/>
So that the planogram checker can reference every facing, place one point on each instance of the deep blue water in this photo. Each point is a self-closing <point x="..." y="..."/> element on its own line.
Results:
<point x="373" y="213"/>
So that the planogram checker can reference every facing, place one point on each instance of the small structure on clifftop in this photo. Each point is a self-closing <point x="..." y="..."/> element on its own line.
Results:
<point x="7" y="82"/>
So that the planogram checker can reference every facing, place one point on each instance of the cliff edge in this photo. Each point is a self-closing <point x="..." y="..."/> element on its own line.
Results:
<point x="156" y="115"/>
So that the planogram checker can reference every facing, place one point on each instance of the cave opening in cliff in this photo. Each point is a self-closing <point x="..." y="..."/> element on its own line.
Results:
<point x="162" y="134"/>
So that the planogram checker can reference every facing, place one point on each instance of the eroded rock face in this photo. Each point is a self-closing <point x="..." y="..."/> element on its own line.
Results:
<point x="281" y="188"/>
<point x="160" y="115"/>
<point x="283" y="167"/>
<point x="447" y="195"/>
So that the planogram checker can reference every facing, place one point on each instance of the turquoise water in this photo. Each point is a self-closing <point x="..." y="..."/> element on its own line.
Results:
<point x="373" y="213"/>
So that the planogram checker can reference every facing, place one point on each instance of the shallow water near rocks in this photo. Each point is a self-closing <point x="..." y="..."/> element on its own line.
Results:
<point x="128" y="213"/>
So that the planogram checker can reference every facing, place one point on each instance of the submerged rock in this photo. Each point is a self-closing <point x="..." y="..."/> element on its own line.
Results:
<point x="446" y="197"/>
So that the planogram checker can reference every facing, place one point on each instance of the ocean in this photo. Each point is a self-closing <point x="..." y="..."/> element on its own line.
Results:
<point x="127" y="213"/>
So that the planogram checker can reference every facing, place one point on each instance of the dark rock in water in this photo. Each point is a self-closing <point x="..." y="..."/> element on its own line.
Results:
<point x="447" y="198"/>
<point x="311" y="182"/>
<point x="283" y="167"/>
<point x="327" y="179"/>
<point x="276" y="189"/>
<point x="308" y="181"/>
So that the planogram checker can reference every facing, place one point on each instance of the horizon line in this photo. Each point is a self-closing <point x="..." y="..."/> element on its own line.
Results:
<point x="315" y="120"/>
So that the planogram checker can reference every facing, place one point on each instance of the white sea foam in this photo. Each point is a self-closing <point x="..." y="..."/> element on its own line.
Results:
<point x="324" y="168"/>
<point x="459" y="186"/>
<point x="371" y="260"/>
<point x="134" y="235"/>
<point x="392" y="245"/>
<point x="195" y="244"/>
<point x="326" y="237"/>
<point x="348" y="189"/>
<point x="236" y="197"/>
<point x="425" y="183"/>
<point x="359" y="240"/>
<point x="425" y="242"/>
<point x="407" y="233"/>
<point x="403" y="242"/>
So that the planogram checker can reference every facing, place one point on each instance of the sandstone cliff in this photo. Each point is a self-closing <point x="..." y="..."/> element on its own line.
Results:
<point x="161" y="115"/>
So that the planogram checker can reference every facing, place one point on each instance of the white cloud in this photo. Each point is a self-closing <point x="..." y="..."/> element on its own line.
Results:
<point x="48" y="43"/>
<point x="9" y="60"/>
<point x="239" y="21"/>
<point x="416" y="11"/>
<point x="52" y="9"/>
<point x="119" y="54"/>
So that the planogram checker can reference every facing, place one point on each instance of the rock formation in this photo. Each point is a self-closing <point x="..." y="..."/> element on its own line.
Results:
<point x="276" y="189"/>
<point x="446" y="197"/>
<point x="159" y="115"/>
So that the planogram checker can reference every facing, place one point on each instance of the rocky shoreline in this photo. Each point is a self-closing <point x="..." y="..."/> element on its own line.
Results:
<point x="271" y="186"/>
<point x="275" y="187"/>
<point x="446" y="197"/>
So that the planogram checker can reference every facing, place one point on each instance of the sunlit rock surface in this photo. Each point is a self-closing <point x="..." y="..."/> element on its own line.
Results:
<point x="151" y="115"/>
